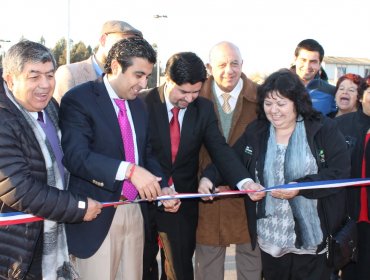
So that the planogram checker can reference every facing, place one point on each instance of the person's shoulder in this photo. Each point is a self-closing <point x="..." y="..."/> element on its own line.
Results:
<point x="327" y="121"/>
<point x="334" y="126"/>
<point x="321" y="85"/>
<point x="203" y="101"/>
<point x="257" y="125"/>
<point x="204" y="106"/>
<point x="345" y="118"/>
<point x="150" y="95"/>
<point x="148" y="92"/>
<point x="10" y="116"/>
<point x="85" y="89"/>
<point x="249" y="90"/>
<point x="72" y="68"/>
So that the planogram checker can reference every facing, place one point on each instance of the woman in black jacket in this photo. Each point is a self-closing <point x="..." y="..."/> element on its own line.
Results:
<point x="291" y="142"/>
<point x="356" y="129"/>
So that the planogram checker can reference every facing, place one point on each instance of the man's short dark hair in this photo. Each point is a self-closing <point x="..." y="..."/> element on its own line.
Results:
<point x="186" y="67"/>
<point x="124" y="50"/>
<point x="310" y="45"/>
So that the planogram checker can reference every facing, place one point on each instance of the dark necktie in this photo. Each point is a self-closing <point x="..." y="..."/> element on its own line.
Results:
<point x="128" y="190"/>
<point x="174" y="136"/>
<point x="40" y="117"/>
<point x="175" y="132"/>
<point x="52" y="135"/>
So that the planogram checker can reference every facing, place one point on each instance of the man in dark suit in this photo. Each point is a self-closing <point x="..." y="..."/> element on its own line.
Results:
<point x="105" y="166"/>
<point x="178" y="100"/>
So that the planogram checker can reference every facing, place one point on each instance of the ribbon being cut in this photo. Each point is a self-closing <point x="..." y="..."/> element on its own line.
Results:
<point x="13" y="218"/>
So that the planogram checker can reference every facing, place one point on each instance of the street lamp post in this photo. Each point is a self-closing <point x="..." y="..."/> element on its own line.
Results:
<point x="68" y="45"/>
<point x="158" y="58"/>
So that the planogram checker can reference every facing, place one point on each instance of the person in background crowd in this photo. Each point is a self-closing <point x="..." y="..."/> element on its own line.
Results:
<point x="291" y="142"/>
<point x="356" y="129"/>
<point x="224" y="221"/>
<point x="70" y="75"/>
<point x="307" y="65"/>
<point x="105" y="140"/>
<point x="349" y="89"/>
<point x="180" y="123"/>
<point x="32" y="177"/>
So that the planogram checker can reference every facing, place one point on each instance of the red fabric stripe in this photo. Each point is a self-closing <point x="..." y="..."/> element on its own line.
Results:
<point x="364" y="217"/>
<point x="20" y="221"/>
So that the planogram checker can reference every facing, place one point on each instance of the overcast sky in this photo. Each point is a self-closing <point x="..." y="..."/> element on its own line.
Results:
<point x="266" y="31"/>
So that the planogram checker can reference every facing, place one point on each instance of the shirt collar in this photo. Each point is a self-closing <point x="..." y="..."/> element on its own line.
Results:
<point x="96" y="66"/>
<point x="112" y="94"/>
<point x="234" y="93"/>
<point x="169" y="105"/>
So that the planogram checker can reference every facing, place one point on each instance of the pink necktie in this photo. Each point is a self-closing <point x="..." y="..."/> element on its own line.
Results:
<point x="129" y="191"/>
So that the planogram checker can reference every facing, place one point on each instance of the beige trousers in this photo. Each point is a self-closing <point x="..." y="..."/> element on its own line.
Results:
<point x="120" y="257"/>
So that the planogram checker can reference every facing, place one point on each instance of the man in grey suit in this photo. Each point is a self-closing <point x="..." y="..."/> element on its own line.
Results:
<point x="70" y="75"/>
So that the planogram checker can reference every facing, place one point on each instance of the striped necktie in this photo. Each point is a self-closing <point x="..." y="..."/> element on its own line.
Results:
<point x="226" y="106"/>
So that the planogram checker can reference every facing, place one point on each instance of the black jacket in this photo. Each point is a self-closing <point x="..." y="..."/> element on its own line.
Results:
<point x="23" y="188"/>
<point x="354" y="127"/>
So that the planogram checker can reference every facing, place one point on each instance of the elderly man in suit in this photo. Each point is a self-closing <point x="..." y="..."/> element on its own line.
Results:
<point x="105" y="142"/>
<point x="185" y="122"/>
<point x="70" y="75"/>
<point x="223" y="221"/>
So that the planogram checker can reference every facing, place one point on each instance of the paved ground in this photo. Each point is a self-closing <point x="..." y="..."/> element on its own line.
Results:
<point x="230" y="272"/>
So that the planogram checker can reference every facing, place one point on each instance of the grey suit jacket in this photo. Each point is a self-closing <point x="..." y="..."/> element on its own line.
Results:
<point x="71" y="75"/>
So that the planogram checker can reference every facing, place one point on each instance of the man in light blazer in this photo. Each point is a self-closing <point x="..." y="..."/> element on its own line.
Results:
<point x="70" y="75"/>
<point x="90" y="115"/>
<point x="185" y="74"/>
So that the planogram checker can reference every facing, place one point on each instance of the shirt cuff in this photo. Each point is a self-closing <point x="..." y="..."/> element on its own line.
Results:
<point x="122" y="169"/>
<point x="242" y="182"/>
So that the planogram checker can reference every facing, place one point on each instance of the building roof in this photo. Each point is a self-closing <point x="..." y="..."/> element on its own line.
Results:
<point x="346" y="60"/>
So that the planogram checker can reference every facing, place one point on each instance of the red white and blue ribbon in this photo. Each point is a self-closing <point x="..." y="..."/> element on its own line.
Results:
<point x="13" y="218"/>
<point x="19" y="217"/>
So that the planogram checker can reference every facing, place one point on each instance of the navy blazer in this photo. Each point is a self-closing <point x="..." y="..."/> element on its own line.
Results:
<point x="93" y="151"/>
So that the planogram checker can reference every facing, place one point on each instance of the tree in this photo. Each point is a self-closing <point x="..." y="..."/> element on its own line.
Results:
<point x="80" y="52"/>
<point x="59" y="51"/>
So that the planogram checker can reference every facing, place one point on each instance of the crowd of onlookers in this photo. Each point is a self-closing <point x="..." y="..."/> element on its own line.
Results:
<point x="207" y="129"/>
